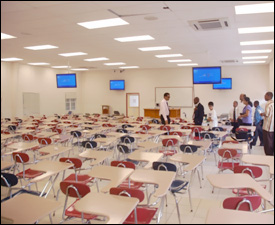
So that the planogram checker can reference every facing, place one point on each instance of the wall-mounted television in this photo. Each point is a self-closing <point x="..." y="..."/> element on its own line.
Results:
<point x="225" y="84"/>
<point x="207" y="75"/>
<point x="66" y="80"/>
<point x="117" y="84"/>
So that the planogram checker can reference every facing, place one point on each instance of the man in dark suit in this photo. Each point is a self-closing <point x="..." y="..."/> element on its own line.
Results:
<point x="198" y="112"/>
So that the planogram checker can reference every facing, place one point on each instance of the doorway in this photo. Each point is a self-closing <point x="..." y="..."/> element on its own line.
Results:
<point x="31" y="104"/>
<point x="132" y="104"/>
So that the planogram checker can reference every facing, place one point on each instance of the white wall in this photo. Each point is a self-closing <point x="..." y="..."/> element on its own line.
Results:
<point x="93" y="87"/>
<point x="271" y="76"/>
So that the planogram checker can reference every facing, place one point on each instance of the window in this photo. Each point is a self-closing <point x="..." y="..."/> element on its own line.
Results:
<point x="70" y="104"/>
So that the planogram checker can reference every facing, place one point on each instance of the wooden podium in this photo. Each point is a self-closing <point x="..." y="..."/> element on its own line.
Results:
<point x="154" y="113"/>
<point x="105" y="109"/>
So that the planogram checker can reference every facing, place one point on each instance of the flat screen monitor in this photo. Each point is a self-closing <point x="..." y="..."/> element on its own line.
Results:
<point x="66" y="80"/>
<point x="207" y="75"/>
<point x="117" y="84"/>
<point x="225" y="84"/>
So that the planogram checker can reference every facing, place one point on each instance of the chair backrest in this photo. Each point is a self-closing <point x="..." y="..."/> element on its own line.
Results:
<point x="124" y="164"/>
<point x="208" y="135"/>
<point x="176" y="133"/>
<point x="44" y="141"/>
<point x="169" y="142"/>
<point x="12" y="127"/>
<point x="8" y="180"/>
<point x="245" y="203"/>
<point x="77" y="162"/>
<point x="76" y="133"/>
<point x="20" y="157"/>
<point x="123" y="149"/>
<point x="127" y="139"/>
<point x="122" y="131"/>
<point x="217" y="128"/>
<point x="253" y="171"/>
<point x="233" y="142"/>
<point x="27" y="137"/>
<point x="74" y="189"/>
<point x="227" y="153"/>
<point x="164" y="166"/>
<point x="185" y="127"/>
<point x="89" y="144"/>
<point x="167" y="128"/>
<point x="242" y="133"/>
<point x="188" y="148"/>
<point x="197" y="129"/>
<point x="130" y="192"/>
<point x="155" y="121"/>
<point x="145" y="127"/>
<point x="140" y="132"/>
<point x="100" y="136"/>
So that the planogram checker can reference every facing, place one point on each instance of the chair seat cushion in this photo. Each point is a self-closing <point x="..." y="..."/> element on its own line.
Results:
<point x="29" y="173"/>
<point x="178" y="185"/>
<point x="144" y="215"/>
<point x="81" y="178"/>
<point x="72" y="212"/>
<point x="168" y="152"/>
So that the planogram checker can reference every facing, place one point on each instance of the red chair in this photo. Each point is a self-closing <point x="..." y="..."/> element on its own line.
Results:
<point x="176" y="133"/>
<point x="230" y="142"/>
<point x="170" y="145"/>
<point x="167" y="128"/>
<point x="244" y="203"/>
<point x="144" y="214"/>
<point x="45" y="141"/>
<point x="74" y="190"/>
<point x="185" y="127"/>
<point x="140" y="132"/>
<point x="145" y="127"/>
<point x="196" y="133"/>
<point x="228" y="157"/>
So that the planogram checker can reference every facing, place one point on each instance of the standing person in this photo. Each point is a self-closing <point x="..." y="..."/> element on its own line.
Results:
<point x="164" y="109"/>
<point x="258" y="122"/>
<point x="242" y="96"/>
<point x="212" y="116"/>
<point x="233" y="116"/>
<point x="268" y="127"/>
<point x="198" y="112"/>
<point x="246" y="115"/>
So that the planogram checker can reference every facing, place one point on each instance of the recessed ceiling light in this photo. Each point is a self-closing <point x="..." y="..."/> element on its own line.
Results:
<point x="103" y="23"/>
<point x="6" y="36"/>
<point x="96" y="59"/>
<point x="135" y="38"/>
<point x="129" y="67"/>
<point x="114" y="64"/>
<point x="254" y="8"/>
<point x="247" y="62"/>
<point x="155" y="48"/>
<point x="256" y="51"/>
<point x="72" y="54"/>
<point x="168" y="55"/>
<point x="250" y="30"/>
<point x="188" y="64"/>
<point x="41" y="47"/>
<point x="180" y="60"/>
<point x="10" y="59"/>
<point x="39" y="64"/>
<point x="79" y="69"/>
<point x="255" y="57"/>
<point x="263" y="42"/>
<point x="61" y="67"/>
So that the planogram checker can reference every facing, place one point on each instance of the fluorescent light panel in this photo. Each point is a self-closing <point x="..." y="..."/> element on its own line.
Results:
<point x="39" y="64"/>
<point x="96" y="59"/>
<point x="129" y="67"/>
<point x="154" y="48"/>
<point x="61" y="67"/>
<point x="247" y="62"/>
<point x="188" y="64"/>
<point x="256" y="51"/>
<point x="79" y="69"/>
<point x="114" y="64"/>
<point x="250" y="30"/>
<point x="6" y="36"/>
<point x="103" y="23"/>
<point x="255" y="57"/>
<point x="168" y="55"/>
<point x="254" y="8"/>
<point x="180" y="60"/>
<point x="10" y="59"/>
<point x="262" y="42"/>
<point x="41" y="47"/>
<point x="72" y="54"/>
<point x="135" y="38"/>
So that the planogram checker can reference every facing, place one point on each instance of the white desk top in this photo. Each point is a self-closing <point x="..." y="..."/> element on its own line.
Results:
<point x="228" y="216"/>
<point x="27" y="208"/>
<point x="115" y="208"/>
<point x="265" y="160"/>
<point x="149" y="157"/>
<point x="99" y="156"/>
<point x="6" y="164"/>
<point x="193" y="160"/>
<point x="53" y="150"/>
<point x="241" y="146"/>
<point x="149" y="145"/>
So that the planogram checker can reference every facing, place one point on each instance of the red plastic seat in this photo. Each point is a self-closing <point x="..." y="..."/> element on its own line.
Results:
<point x="228" y="157"/>
<point x="167" y="128"/>
<point x="44" y="141"/>
<point x="244" y="203"/>
<point x="170" y="146"/>
<point x="176" y="133"/>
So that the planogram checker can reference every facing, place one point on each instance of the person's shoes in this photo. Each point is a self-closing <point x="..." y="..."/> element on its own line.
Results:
<point x="250" y="145"/>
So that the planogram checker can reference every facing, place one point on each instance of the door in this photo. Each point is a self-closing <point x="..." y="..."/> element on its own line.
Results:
<point x="31" y="104"/>
<point x="132" y="104"/>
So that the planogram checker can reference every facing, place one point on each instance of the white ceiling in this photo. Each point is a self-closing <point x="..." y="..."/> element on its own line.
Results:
<point x="55" y="23"/>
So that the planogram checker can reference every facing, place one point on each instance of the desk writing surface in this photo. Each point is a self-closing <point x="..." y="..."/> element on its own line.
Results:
<point x="265" y="160"/>
<point x="193" y="160"/>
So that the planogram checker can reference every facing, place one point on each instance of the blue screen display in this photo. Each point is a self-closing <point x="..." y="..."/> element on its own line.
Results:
<point x="206" y="75"/>
<point x="117" y="84"/>
<point x="225" y="84"/>
<point x="66" y="80"/>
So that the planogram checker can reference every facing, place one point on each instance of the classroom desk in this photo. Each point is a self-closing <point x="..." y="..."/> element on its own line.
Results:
<point x="8" y="136"/>
<point x="116" y="175"/>
<point x="148" y="145"/>
<point x="27" y="208"/>
<point x="238" y="181"/>
<point x="148" y="157"/>
<point x="45" y="134"/>
<point x="228" y="216"/>
<point x="203" y="145"/>
<point x="53" y="151"/>
<point x="240" y="146"/>
<point x="218" y="134"/>
<point x="180" y="140"/>
<point x="193" y="160"/>
<point x="98" y="156"/>
<point x="115" y="208"/>
<point x="21" y="146"/>
<point x="6" y="164"/>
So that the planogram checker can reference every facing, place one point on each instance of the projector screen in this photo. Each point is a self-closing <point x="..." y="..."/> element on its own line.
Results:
<point x="117" y="84"/>
<point x="66" y="80"/>
<point x="225" y="84"/>
<point x="206" y="75"/>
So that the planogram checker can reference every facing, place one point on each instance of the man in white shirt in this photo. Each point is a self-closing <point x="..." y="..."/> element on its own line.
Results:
<point x="268" y="126"/>
<point x="233" y="116"/>
<point x="212" y="116"/>
<point x="164" y="109"/>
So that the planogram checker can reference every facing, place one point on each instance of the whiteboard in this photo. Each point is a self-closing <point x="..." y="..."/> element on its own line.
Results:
<point x="179" y="96"/>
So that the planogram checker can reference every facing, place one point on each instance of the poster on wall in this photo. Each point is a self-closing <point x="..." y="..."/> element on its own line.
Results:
<point x="134" y="101"/>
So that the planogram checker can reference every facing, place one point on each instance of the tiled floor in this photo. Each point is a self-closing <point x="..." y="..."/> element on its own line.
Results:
<point x="202" y="198"/>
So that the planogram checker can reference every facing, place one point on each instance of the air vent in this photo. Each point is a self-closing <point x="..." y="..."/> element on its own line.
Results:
<point x="229" y="61"/>
<point x="209" y="24"/>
